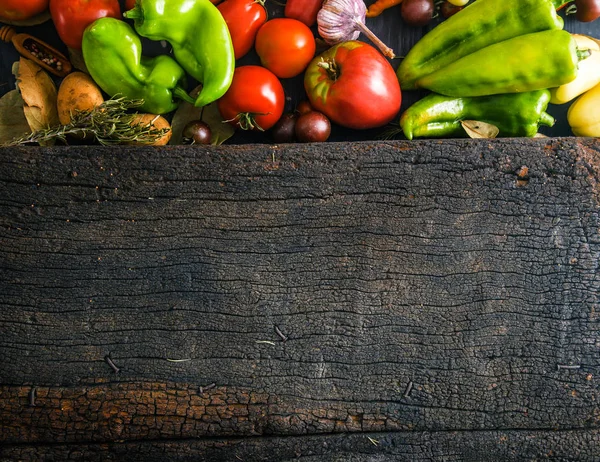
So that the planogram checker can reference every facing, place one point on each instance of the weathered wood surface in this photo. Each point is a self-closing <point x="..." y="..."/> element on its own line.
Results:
<point x="440" y="299"/>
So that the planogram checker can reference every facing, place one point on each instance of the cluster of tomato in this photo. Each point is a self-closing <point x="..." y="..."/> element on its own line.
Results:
<point x="351" y="84"/>
<point x="285" y="46"/>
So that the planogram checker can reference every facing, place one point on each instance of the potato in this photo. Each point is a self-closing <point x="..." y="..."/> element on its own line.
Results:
<point x="77" y="92"/>
<point x="157" y="122"/>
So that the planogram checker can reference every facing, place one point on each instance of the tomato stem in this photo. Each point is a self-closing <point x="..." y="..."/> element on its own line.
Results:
<point x="331" y="67"/>
<point x="247" y="121"/>
<point x="571" y="9"/>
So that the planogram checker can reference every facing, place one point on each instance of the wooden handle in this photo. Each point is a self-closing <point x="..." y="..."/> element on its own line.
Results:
<point x="7" y="33"/>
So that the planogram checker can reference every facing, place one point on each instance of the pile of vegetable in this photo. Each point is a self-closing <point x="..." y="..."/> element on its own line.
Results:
<point x="485" y="68"/>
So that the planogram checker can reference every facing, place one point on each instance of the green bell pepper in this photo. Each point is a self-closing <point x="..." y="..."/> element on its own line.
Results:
<point x="112" y="53"/>
<point x="528" y="62"/>
<point x="515" y="114"/>
<point x="199" y="36"/>
<point x="480" y="24"/>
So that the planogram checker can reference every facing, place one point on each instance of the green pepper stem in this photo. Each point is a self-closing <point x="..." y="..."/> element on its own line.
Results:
<point x="582" y="54"/>
<point x="182" y="95"/>
<point x="135" y="13"/>
<point x="546" y="119"/>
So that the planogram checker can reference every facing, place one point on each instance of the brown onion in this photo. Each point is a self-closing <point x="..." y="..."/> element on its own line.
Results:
<point x="342" y="20"/>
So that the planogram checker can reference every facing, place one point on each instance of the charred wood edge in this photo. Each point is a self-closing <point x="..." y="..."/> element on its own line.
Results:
<point x="22" y="424"/>
<point x="507" y="444"/>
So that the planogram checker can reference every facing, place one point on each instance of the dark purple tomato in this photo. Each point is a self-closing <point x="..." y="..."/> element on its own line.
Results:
<point x="313" y="127"/>
<point x="303" y="107"/>
<point x="417" y="12"/>
<point x="448" y="9"/>
<point x="587" y="10"/>
<point x="284" y="130"/>
<point x="196" y="132"/>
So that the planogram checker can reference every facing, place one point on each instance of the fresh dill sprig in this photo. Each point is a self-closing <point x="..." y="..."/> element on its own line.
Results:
<point x="109" y="123"/>
<point x="390" y="132"/>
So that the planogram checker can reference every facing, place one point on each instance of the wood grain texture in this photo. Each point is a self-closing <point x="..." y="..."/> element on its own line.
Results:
<point x="422" y="288"/>
<point x="482" y="446"/>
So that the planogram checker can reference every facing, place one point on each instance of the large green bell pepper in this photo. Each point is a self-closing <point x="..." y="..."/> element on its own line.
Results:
<point x="199" y="36"/>
<point x="112" y="52"/>
<point x="479" y="25"/>
<point x="515" y="114"/>
<point x="525" y="63"/>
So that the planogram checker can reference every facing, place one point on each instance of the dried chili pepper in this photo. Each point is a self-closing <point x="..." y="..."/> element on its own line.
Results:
<point x="375" y="9"/>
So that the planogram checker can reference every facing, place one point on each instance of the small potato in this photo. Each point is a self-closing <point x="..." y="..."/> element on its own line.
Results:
<point x="158" y="122"/>
<point x="77" y="92"/>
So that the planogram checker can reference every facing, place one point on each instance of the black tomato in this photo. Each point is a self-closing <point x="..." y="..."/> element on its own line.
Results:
<point x="312" y="127"/>
<point x="196" y="132"/>
<point x="587" y="10"/>
<point x="448" y="9"/>
<point x="284" y="129"/>
<point x="303" y="107"/>
<point x="417" y="12"/>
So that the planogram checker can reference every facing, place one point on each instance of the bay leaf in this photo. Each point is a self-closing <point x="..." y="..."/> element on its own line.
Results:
<point x="478" y="129"/>
<point x="13" y="123"/>
<point x="77" y="61"/>
<point x="221" y="131"/>
<point x="39" y="95"/>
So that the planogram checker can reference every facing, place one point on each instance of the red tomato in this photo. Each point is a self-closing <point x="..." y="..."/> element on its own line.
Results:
<point x="358" y="90"/>
<point x="285" y="46"/>
<point x="303" y="10"/>
<point x="243" y="18"/>
<point x="255" y="99"/>
<point x="18" y="10"/>
<point x="71" y="17"/>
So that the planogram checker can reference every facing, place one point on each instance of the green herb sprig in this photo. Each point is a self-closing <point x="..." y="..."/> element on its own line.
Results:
<point x="109" y="123"/>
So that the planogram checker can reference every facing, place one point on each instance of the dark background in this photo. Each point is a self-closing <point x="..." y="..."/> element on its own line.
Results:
<point x="389" y="27"/>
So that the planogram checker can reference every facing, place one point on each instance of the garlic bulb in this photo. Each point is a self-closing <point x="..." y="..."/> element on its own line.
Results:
<point x="342" y="20"/>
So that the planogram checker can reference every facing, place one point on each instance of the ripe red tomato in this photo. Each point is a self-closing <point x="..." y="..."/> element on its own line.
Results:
<point x="19" y="10"/>
<point x="71" y="17"/>
<point x="243" y="18"/>
<point x="285" y="46"/>
<point x="354" y="85"/>
<point x="255" y="100"/>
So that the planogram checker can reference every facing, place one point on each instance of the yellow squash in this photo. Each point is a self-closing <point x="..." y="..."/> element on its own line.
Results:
<point x="588" y="74"/>
<point x="584" y="114"/>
